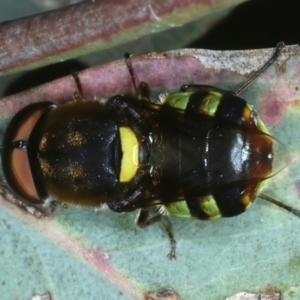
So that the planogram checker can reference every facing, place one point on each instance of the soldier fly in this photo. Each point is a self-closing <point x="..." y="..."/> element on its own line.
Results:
<point x="202" y="153"/>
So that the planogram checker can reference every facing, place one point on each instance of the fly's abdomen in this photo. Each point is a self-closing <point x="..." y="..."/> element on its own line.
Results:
<point x="227" y="178"/>
<point x="177" y="157"/>
<point x="224" y="155"/>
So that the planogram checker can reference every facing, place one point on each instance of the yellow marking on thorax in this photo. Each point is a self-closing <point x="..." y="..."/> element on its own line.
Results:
<point x="130" y="151"/>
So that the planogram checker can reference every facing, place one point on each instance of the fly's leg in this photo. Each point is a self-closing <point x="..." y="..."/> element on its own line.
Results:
<point x="128" y="63"/>
<point x="142" y="90"/>
<point x="272" y="59"/>
<point x="290" y="209"/>
<point x="78" y="95"/>
<point x="143" y="221"/>
<point x="207" y="88"/>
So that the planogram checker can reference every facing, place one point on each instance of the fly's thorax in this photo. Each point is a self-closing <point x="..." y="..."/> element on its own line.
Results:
<point x="75" y="153"/>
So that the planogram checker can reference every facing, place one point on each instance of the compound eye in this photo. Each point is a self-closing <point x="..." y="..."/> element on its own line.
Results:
<point x="15" y="161"/>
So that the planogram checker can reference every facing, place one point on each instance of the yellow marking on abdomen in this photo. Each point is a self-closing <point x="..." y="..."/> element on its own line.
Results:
<point x="210" y="207"/>
<point x="130" y="151"/>
<point x="178" y="209"/>
<point x="210" y="103"/>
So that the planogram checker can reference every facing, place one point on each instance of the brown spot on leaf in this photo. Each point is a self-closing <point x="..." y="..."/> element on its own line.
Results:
<point x="163" y="294"/>
<point x="272" y="110"/>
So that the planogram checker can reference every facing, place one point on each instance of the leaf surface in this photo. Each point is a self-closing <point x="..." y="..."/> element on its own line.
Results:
<point x="79" y="253"/>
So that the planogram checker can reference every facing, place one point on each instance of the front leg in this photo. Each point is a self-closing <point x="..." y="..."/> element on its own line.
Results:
<point x="126" y="200"/>
<point x="138" y="193"/>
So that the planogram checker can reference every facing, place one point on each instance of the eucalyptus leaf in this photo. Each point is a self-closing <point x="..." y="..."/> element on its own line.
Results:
<point x="81" y="253"/>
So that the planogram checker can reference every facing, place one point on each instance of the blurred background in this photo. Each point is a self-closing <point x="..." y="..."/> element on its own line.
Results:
<point x="253" y="24"/>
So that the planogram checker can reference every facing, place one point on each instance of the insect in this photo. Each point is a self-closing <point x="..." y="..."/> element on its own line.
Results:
<point x="203" y="153"/>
